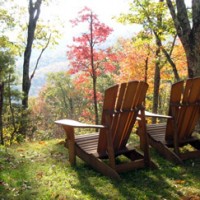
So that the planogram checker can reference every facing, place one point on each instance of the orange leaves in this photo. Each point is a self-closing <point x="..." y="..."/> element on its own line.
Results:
<point x="179" y="58"/>
<point x="132" y="61"/>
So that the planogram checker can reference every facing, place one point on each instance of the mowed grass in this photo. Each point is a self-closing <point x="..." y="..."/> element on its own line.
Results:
<point x="40" y="170"/>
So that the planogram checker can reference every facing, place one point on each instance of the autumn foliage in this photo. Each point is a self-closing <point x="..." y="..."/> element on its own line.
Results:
<point x="87" y="56"/>
<point x="86" y="49"/>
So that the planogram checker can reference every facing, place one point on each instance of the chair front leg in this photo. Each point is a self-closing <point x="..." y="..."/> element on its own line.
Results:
<point x="144" y="144"/>
<point x="139" y="132"/>
<point x="110" y="150"/>
<point x="176" y="134"/>
<point x="110" y="147"/>
<point x="69" y="130"/>
<point x="176" y="139"/>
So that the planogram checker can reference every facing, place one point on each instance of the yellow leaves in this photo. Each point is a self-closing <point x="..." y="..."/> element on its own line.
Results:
<point x="178" y="181"/>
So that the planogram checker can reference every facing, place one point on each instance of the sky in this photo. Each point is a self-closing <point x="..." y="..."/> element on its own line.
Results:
<point x="105" y="9"/>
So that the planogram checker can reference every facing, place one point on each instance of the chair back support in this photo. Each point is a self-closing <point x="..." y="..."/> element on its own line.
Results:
<point x="185" y="109"/>
<point x="121" y="106"/>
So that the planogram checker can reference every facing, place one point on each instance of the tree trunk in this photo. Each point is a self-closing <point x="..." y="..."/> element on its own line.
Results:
<point x="146" y="69"/>
<point x="193" y="59"/>
<point x="34" y="12"/>
<point x="157" y="69"/>
<point x="11" y="110"/>
<point x="156" y="83"/>
<point x="95" y="100"/>
<point x="189" y="36"/>
<point x="71" y="107"/>
<point x="1" y="113"/>
<point x="94" y="77"/>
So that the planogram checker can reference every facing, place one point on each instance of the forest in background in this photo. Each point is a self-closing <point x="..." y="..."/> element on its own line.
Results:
<point x="166" y="50"/>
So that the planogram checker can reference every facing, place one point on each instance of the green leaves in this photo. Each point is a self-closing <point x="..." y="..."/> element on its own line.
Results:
<point x="146" y="13"/>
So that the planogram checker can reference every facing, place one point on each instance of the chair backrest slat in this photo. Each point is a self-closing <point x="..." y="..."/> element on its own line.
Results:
<point x="193" y="111"/>
<point x="121" y="134"/>
<point x="115" y="126"/>
<point x="121" y="115"/>
<point x="109" y="105"/>
<point x="134" y="98"/>
<point x="184" y="107"/>
<point x="175" y="97"/>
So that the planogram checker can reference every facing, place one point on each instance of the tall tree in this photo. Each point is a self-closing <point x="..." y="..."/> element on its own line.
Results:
<point x="7" y="54"/>
<point x="152" y="15"/>
<point x="7" y="61"/>
<point x="40" y="34"/>
<point x="188" y="31"/>
<point x="38" y="37"/>
<point x="34" y="13"/>
<point x="85" y="55"/>
<point x="13" y="27"/>
<point x="158" y="34"/>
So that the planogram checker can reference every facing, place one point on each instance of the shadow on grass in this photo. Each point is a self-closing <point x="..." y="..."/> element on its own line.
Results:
<point x="168" y="182"/>
<point x="84" y="179"/>
<point x="137" y="184"/>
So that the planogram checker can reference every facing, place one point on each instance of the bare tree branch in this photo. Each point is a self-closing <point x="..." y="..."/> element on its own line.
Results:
<point x="36" y="66"/>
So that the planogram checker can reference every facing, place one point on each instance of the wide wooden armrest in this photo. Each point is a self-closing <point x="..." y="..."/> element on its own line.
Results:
<point x="76" y="124"/>
<point x="150" y="114"/>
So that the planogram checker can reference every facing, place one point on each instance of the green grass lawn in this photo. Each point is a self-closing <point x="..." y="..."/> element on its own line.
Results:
<point x="40" y="170"/>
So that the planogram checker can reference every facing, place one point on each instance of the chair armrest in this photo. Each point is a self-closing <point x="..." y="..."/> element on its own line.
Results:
<point x="76" y="124"/>
<point x="150" y="114"/>
<point x="69" y="126"/>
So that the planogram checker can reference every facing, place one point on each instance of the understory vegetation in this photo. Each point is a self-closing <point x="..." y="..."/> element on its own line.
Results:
<point x="40" y="170"/>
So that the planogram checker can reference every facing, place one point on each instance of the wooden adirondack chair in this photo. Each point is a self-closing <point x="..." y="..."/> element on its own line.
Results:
<point x="178" y="131"/>
<point x="120" y="109"/>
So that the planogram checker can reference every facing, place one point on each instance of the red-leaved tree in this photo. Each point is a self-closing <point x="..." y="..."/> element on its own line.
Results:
<point x="86" y="55"/>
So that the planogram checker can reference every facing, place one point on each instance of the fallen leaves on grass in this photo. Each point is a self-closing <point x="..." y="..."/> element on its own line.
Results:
<point x="191" y="197"/>
<point x="42" y="142"/>
<point x="39" y="175"/>
<point x="179" y="181"/>
<point x="20" y="150"/>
